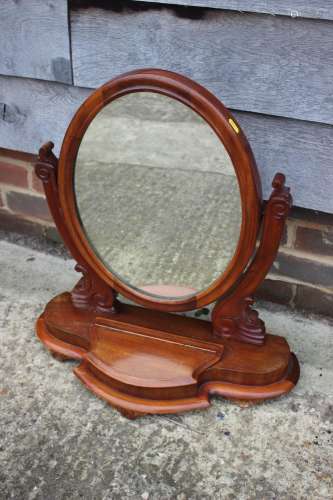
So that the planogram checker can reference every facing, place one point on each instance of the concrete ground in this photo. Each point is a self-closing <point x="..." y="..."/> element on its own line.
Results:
<point x="58" y="441"/>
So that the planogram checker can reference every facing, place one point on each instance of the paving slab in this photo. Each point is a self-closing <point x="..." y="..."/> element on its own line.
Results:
<point x="58" y="441"/>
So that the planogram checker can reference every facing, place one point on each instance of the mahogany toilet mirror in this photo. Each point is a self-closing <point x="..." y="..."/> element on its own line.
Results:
<point x="157" y="196"/>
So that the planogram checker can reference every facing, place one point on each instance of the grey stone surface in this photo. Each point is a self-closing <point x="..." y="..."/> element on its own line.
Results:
<point x="58" y="441"/>
<point x="36" y="242"/>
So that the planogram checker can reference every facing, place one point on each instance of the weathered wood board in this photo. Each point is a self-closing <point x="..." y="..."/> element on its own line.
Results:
<point x="34" y="39"/>
<point x="301" y="150"/>
<point x="37" y="111"/>
<point x="265" y="64"/>
<point x="314" y="9"/>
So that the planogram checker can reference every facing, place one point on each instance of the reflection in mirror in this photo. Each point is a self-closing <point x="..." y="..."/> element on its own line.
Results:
<point x="157" y="195"/>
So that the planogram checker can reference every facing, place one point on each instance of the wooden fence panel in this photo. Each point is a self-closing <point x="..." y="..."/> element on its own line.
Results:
<point x="265" y="64"/>
<point x="314" y="9"/>
<point x="301" y="150"/>
<point x="34" y="112"/>
<point x="34" y="39"/>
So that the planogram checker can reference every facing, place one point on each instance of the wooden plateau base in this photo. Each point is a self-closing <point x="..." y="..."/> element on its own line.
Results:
<point x="144" y="362"/>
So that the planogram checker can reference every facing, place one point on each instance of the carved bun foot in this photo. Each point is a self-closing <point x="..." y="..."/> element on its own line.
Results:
<point x="131" y="415"/>
<point x="60" y="357"/>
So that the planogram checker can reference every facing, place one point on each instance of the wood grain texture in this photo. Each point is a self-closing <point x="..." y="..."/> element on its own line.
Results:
<point x="140" y="379"/>
<point x="266" y="64"/>
<point x="90" y="292"/>
<point x="144" y="359"/>
<point x="301" y="149"/>
<point x="233" y="316"/>
<point x="191" y="94"/>
<point x="316" y="9"/>
<point x="38" y="111"/>
<point x="34" y="40"/>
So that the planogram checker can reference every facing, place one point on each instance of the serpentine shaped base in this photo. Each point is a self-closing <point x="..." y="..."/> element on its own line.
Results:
<point x="160" y="363"/>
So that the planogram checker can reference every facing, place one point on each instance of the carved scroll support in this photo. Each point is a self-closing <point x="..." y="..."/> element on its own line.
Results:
<point x="90" y="293"/>
<point x="233" y="316"/>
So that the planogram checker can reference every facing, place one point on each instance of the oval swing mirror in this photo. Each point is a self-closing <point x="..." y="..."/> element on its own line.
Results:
<point x="157" y="197"/>
<point x="163" y="182"/>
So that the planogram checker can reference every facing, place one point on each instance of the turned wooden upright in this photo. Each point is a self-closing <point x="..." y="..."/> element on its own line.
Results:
<point x="147" y="359"/>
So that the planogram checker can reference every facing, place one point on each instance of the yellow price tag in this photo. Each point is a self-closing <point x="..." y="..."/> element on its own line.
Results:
<point x="234" y="125"/>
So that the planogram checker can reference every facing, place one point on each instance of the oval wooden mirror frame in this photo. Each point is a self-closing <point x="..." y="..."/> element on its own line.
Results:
<point x="145" y="359"/>
<point x="232" y="138"/>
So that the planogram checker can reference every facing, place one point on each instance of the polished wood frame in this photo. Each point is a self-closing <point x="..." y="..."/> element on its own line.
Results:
<point x="232" y="355"/>
<point x="218" y="117"/>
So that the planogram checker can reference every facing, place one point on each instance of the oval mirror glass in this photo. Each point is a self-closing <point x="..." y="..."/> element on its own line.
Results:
<point x="157" y="195"/>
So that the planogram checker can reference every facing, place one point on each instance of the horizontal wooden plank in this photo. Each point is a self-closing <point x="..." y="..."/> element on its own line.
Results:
<point x="314" y="9"/>
<point x="34" y="39"/>
<point x="38" y="111"/>
<point x="301" y="150"/>
<point x="266" y="64"/>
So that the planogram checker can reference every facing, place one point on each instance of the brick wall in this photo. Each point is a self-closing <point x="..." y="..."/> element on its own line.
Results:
<point x="301" y="277"/>
<point x="23" y="207"/>
<point x="302" y="274"/>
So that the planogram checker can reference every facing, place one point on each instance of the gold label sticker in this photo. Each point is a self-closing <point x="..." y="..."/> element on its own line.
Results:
<point x="234" y="125"/>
